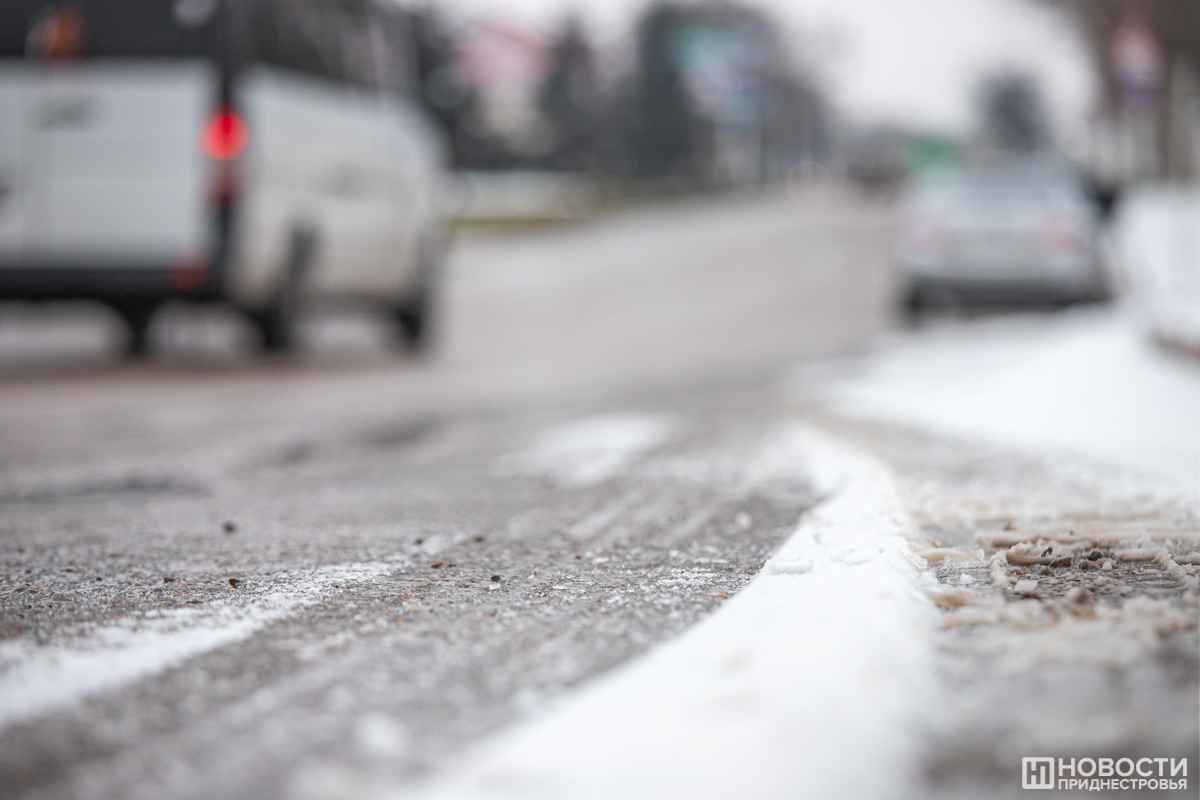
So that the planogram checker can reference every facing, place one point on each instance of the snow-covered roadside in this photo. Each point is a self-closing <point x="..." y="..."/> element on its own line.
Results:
<point x="1157" y="249"/>
<point x="1084" y="383"/>
<point x="35" y="679"/>
<point x="808" y="682"/>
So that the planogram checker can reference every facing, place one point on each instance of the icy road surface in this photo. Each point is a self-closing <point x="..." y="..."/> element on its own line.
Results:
<point x="225" y="576"/>
<point x="355" y="575"/>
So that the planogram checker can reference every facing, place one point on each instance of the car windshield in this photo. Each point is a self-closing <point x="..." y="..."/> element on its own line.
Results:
<point x="44" y="30"/>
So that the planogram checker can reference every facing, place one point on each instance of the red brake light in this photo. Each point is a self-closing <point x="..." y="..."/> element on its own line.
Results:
<point x="59" y="35"/>
<point x="225" y="136"/>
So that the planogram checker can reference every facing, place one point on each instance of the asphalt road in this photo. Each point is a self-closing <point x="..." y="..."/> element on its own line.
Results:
<point x="345" y="567"/>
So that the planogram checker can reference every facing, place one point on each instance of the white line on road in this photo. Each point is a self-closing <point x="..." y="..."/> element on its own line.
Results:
<point x="808" y="683"/>
<point x="37" y="679"/>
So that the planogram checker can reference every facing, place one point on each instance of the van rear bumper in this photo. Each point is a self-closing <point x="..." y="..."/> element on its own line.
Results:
<point x="110" y="284"/>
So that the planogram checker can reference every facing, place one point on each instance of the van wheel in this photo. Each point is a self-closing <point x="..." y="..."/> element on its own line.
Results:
<point x="413" y="321"/>
<point x="414" y="314"/>
<point x="137" y="318"/>
<point x="913" y="305"/>
<point x="275" y="326"/>
<point x="277" y="322"/>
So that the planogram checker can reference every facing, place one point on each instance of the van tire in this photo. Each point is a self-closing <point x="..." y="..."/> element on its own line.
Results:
<point x="414" y="314"/>
<point x="277" y="322"/>
<point x="275" y="327"/>
<point x="412" y="319"/>
<point x="137" y="318"/>
<point x="913" y="305"/>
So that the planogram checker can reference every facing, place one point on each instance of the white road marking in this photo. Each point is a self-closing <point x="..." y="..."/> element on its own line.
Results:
<point x="808" y="683"/>
<point x="35" y="680"/>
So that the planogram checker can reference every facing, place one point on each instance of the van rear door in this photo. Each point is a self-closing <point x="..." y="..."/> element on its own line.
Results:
<point x="114" y="172"/>
<point x="100" y="154"/>
<point x="13" y="91"/>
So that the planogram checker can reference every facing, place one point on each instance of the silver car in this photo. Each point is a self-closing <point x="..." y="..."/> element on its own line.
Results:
<point x="1015" y="230"/>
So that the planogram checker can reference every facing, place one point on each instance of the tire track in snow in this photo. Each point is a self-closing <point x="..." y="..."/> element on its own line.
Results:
<point x="589" y="450"/>
<point x="36" y="680"/>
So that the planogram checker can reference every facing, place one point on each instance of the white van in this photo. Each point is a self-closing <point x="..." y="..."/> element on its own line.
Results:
<point x="261" y="152"/>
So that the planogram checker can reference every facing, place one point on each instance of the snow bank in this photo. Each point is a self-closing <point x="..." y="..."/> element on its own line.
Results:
<point x="1084" y="383"/>
<point x="807" y="683"/>
<point x="1158" y="250"/>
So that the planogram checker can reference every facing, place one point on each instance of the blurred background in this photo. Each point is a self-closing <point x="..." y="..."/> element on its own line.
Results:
<point x="1022" y="151"/>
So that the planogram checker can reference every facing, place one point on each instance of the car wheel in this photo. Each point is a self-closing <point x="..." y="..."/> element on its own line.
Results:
<point x="913" y="305"/>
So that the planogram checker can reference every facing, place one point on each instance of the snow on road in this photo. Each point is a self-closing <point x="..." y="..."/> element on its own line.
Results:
<point x="36" y="679"/>
<point x="818" y="667"/>
<point x="825" y="661"/>
<point x="587" y="451"/>
<point x="1085" y="383"/>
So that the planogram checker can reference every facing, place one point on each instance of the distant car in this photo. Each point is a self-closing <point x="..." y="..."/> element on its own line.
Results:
<point x="260" y="152"/>
<point x="1020" y="230"/>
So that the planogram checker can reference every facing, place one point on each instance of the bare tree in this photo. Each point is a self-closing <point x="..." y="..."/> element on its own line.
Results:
<point x="1175" y="25"/>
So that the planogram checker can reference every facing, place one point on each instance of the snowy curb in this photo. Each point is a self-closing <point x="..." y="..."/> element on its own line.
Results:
<point x="808" y="683"/>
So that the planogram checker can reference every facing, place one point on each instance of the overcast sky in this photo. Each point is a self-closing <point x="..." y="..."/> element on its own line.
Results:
<point x="913" y="62"/>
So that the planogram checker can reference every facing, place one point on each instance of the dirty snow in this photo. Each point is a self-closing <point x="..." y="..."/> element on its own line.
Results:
<point x="1086" y="383"/>
<point x="793" y="685"/>
<point x="38" y="679"/>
